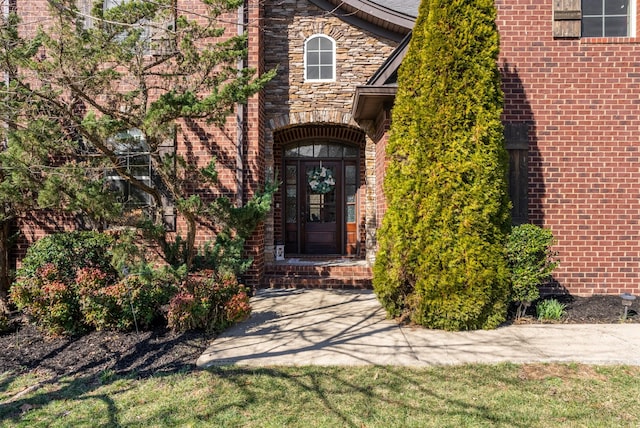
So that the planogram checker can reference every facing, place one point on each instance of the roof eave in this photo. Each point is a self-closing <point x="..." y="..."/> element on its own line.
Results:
<point x="369" y="101"/>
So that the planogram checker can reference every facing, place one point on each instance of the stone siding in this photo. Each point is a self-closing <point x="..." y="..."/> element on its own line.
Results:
<point x="291" y="100"/>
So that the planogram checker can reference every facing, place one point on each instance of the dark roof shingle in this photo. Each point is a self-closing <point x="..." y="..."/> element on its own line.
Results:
<point x="407" y="7"/>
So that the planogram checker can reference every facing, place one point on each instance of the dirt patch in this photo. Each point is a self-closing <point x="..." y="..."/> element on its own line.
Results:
<point x="159" y="351"/>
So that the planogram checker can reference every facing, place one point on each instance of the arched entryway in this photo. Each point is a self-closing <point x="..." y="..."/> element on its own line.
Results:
<point x="322" y="175"/>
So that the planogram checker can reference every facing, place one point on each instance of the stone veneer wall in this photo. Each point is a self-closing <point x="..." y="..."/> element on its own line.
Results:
<point x="290" y="100"/>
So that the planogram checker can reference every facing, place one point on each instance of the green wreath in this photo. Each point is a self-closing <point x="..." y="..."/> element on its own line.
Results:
<point x="321" y="180"/>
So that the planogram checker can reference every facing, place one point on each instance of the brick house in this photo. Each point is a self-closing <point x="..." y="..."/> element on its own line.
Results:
<point x="571" y="120"/>
<point x="572" y="100"/>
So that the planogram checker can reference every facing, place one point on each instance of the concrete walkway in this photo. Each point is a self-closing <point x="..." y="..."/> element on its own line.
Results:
<point x="325" y="327"/>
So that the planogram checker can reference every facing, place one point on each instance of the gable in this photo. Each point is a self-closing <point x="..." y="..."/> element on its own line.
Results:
<point x="390" y="19"/>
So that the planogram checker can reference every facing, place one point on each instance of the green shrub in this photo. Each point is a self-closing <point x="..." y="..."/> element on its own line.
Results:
<point x="97" y="302"/>
<point x="69" y="252"/>
<point x="51" y="302"/>
<point x="67" y="285"/>
<point x="550" y="309"/>
<point x="46" y="288"/>
<point x="208" y="302"/>
<point x="531" y="263"/>
<point x="441" y="260"/>
<point x="224" y="256"/>
<point x="133" y="302"/>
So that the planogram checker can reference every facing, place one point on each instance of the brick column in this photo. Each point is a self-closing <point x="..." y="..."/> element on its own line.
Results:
<point x="254" y="167"/>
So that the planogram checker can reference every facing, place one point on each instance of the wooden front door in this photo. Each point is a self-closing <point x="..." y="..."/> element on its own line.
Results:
<point x="320" y="213"/>
<point x="320" y="197"/>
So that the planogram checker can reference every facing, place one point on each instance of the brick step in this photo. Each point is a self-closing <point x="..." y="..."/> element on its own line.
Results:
<point x="318" y="274"/>
<point x="315" y="281"/>
<point x="323" y="271"/>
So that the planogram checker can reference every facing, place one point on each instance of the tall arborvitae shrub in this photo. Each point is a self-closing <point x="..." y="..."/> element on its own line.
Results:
<point x="441" y="259"/>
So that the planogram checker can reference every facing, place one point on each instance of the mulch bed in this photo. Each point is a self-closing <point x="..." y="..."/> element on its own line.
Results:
<point x="159" y="351"/>
<point x="143" y="354"/>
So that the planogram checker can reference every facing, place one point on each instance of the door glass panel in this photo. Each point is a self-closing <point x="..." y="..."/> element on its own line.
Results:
<point x="329" y="214"/>
<point x="350" y="190"/>
<point x="321" y="151"/>
<point x="321" y="195"/>
<point x="291" y="191"/>
<point x="315" y="208"/>
<point x="351" y="213"/>
<point x="350" y="152"/>
<point x="335" y="151"/>
<point x="322" y="208"/>
<point x="291" y="152"/>
<point x="291" y="174"/>
<point x="306" y="151"/>
<point x="350" y="174"/>
<point x="291" y="210"/>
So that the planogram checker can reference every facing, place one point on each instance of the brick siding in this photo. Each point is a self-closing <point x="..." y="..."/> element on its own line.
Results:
<point x="580" y="97"/>
<point x="197" y="141"/>
<point x="582" y="100"/>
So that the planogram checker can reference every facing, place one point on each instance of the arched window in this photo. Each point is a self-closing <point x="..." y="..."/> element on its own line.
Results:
<point x="320" y="58"/>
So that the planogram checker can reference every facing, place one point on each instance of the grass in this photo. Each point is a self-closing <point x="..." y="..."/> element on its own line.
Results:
<point x="550" y="310"/>
<point x="509" y="395"/>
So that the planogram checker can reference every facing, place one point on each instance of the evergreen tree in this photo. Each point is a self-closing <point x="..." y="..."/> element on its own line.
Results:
<point x="93" y="73"/>
<point x="441" y="259"/>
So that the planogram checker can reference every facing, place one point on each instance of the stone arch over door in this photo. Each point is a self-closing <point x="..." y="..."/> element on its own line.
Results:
<point x="329" y="221"/>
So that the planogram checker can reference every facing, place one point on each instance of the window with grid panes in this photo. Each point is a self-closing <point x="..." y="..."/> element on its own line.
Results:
<point x="134" y="156"/>
<point x="319" y="58"/>
<point x="606" y="18"/>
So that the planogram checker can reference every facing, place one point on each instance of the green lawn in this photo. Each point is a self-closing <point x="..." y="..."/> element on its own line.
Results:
<point x="509" y="395"/>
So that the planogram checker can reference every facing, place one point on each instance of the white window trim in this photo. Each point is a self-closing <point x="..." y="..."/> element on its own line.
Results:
<point x="632" y="18"/>
<point x="333" y="46"/>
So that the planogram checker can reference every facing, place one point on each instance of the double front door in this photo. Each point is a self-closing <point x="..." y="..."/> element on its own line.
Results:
<point x="320" y="206"/>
